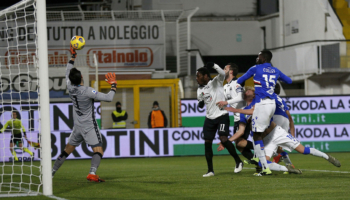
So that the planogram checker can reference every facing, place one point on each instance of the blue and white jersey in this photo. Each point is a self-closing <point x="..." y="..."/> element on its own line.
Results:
<point x="245" y="118"/>
<point x="265" y="77"/>
<point x="281" y="107"/>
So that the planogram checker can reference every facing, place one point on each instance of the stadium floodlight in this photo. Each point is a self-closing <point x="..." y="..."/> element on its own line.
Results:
<point x="24" y="88"/>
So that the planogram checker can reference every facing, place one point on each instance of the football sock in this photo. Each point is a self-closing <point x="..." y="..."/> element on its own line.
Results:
<point x="250" y="145"/>
<point x="259" y="150"/>
<point x="209" y="156"/>
<point x="232" y="150"/>
<point x="247" y="153"/>
<point x="315" y="152"/>
<point x="95" y="162"/>
<point x="286" y="158"/>
<point x="14" y="154"/>
<point x="25" y="149"/>
<point x="59" y="161"/>
<point x="277" y="167"/>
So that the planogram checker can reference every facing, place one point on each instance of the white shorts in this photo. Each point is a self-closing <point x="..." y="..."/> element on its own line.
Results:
<point x="279" y="137"/>
<point x="281" y="121"/>
<point x="262" y="114"/>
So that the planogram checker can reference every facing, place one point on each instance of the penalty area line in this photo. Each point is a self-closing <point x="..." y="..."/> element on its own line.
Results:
<point x="315" y="170"/>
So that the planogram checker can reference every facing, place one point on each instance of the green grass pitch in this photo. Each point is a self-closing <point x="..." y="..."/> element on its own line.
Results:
<point x="181" y="178"/>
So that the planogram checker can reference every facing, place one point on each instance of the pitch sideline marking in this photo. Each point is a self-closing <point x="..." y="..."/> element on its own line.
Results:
<point x="50" y="196"/>
<point x="314" y="170"/>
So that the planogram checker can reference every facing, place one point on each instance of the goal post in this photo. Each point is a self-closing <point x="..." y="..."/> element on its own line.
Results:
<point x="25" y="162"/>
<point x="44" y="97"/>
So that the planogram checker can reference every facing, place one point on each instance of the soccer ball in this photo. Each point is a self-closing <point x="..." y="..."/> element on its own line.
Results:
<point x="77" y="42"/>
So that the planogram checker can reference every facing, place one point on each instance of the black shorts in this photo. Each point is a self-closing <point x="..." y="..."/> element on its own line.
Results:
<point x="220" y="124"/>
<point x="246" y="130"/>
<point x="17" y="138"/>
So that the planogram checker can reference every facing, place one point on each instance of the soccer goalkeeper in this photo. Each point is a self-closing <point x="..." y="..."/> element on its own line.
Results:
<point x="85" y="126"/>
<point x="16" y="138"/>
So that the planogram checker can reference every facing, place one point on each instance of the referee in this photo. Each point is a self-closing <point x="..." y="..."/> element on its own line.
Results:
<point x="209" y="92"/>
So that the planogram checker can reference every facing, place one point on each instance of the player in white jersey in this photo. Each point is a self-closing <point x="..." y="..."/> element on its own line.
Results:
<point x="208" y="93"/>
<point x="234" y="96"/>
<point x="85" y="126"/>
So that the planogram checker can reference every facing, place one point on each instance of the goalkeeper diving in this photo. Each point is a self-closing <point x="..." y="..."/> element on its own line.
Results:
<point x="16" y="127"/>
<point x="85" y="126"/>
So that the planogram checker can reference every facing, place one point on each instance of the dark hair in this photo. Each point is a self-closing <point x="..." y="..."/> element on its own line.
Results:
<point x="118" y="103"/>
<point x="203" y="71"/>
<point x="277" y="88"/>
<point x="267" y="55"/>
<point x="155" y="103"/>
<point x="234" y="68"/>
<point x="75" y="76"/>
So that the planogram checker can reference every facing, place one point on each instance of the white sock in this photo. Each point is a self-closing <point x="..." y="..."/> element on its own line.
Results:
<point x="261" y="155"/>
<point x="286" y="160"/>
<point x="277" y="167"/>
<point x="318" y="153"/>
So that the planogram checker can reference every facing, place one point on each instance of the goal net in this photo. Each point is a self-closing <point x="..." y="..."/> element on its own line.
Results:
<point x="21" y="109"/>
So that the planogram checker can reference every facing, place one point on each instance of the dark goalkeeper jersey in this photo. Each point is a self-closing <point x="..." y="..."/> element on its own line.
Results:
<point x="83" y="102"/>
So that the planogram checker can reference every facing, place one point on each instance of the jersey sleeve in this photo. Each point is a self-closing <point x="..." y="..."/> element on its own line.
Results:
<point x="5" y="126"/>
<point x="242" y="118"/>
<point x="247" y="75"/>
<point x="284" y="78"/>
<point x="199" y="95"/>
<point x="23" y="129"/>
<point x="93" y="94"/>
<point x="70" y="65"/>
<point x="221" y="77"/>
<point x="237" y="93"/>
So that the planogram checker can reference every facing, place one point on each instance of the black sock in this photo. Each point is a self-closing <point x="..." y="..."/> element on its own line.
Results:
<point x="232" y="150"/>
<point x="209" y="156"/>
<point x="247" y="153"/>
<point x="250" y="145"/>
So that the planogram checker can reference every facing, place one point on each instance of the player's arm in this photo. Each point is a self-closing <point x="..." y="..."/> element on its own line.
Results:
<point x="110" y="78"/>
<point x="70" y="64"/>
<point x="238" y="97"/>
<point x="221" y="73"/>
<point x="285" y="78"/>
<point x="5" y="126"/>
<point x="242" y="111"/>
<point x="23" y="130"/>
<point x="291" y="124"/>
<point x="239" y="133"/>
<point x="200" y="99"/>
<point x="247" y="75"/>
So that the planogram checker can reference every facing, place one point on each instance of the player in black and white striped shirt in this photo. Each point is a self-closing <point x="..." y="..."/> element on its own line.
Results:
<point x="217" y="119"/>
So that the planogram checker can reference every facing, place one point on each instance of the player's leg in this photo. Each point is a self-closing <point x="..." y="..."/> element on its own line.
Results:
<point x="209" y="131"/>
<point x="24" y="149"/>
<point x="270" y="149"/>
<point x="223" y="130"/>
<point x="75" y="139"/>
<point x="312" y="151"/>
<point x="13" y="152"/>
<point x="261" y="117"/>
<point x="94" y="138"/>
<point x="242" y="146"/>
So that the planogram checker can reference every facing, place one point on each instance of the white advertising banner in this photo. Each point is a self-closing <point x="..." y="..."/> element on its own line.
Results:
<point x="117" y="44"/>
<point x="156" y="142"/>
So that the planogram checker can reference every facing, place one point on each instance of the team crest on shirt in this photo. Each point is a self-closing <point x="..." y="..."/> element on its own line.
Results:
<point x="208" y="98"/>
<point x="94" y="91"/>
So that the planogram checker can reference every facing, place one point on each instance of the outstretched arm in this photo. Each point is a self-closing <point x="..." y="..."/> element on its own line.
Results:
<point x="5" y="126"/>
<point x="70" y="64"/>
<point x="285" y="78"/>
<point x="247" y="75"/>
<point x="242" y="111"/>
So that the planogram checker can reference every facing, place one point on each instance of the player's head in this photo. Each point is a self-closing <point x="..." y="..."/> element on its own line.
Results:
<point x="264" y="56"/>
<point x="277" y="88"/>
<point x="155" y="105"/>
<point x="14" y="115"/>
<point x="75" y="77"/>
<point x="203" y="76"/>
<point x="249" y="93"/>
<point x="118" y="106"/>
<point x="231" y="68"/>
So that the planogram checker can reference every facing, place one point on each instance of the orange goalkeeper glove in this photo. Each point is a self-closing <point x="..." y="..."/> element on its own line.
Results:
<point x="110" y="78"/>
<point x="72" y="51"/>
